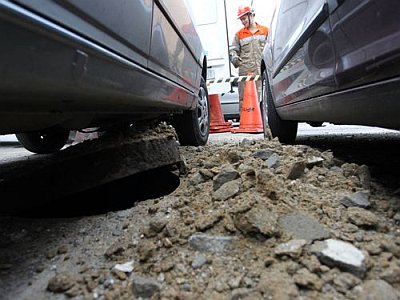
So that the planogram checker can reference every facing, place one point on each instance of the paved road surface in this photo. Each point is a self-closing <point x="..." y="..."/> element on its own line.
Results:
<point x="306" y="131"/>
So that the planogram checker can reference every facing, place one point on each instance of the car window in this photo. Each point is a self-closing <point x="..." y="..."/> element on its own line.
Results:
<point x="175" y="47"/>
<point x="179" y="13"/>
<point x="124" y="28"/>
<point x="293" y="19"/>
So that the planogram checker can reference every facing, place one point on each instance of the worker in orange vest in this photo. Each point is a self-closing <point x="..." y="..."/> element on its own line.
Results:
<point x="247" y="48"/>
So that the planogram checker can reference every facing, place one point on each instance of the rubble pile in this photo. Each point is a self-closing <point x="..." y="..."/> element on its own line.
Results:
<point x="250" y="220"/>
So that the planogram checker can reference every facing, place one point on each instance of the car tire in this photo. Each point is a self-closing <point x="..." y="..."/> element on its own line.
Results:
<point x="193" y="126"/>
<point x="45" y="141"/>
<point x="286" y="131"/>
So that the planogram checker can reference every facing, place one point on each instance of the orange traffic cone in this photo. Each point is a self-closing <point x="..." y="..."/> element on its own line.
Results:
<point x="217" y="121"/>
<point x="250" y="115"/>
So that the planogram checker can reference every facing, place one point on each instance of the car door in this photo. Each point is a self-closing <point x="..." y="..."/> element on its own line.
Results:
<point x="122" y="27"/>
<point x="175" y="47"/>
<point x="302" y="51"/>
<point x="366" y="35"/>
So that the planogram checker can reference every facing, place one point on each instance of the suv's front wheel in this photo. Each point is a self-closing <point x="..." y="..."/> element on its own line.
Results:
<point x="193" y="126"/>
<point x="286" y="131"/>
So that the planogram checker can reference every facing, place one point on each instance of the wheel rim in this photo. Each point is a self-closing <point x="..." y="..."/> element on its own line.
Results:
<point x="202" y="112"/>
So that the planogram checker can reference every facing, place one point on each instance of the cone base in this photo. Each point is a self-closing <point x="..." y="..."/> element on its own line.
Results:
<point x="247" y="130"/>
<point x="217" y="121"/>
<point x="222" y="127"/>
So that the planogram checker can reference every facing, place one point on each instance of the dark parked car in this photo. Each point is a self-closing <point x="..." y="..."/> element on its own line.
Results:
<point x="74" y="64"/>
<point x="332" y="61"/>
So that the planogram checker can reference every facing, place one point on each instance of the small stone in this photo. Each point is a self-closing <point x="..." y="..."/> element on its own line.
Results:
<point x="227" y="174"/>
<point x="304" y="278"/>
<point x="62" y="249"/>
<point x="336" y="253"/>
<point x="375" y="289"/>
<point x="297" y="170"/>
<point x="145" y="287"/>
<point x="345" y="281"/>
<point x="392" y="274"/>
<point x="126" y="267"/>
<point x="202" y="243"/>
<point x="357" y="199"/>
<point x="227" y="190"/>
<point x="258" y="220"/>
<point x="292" y="248"/>
<point x="362" y="217"/>
<point x="314" y="161"/>
<point x="199" y="261"/>
<point x="272" y="162"/>
<point x="61" y="283"/>
<point x="115" y="249"/>
<point x="51" y="254"/>
<point x="120" y="275"/>
<point x="303" y="226"/>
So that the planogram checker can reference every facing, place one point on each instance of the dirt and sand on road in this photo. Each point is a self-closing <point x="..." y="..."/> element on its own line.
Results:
<point x="253" y="219"/>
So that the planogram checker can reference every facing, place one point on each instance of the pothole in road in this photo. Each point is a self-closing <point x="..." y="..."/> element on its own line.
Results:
<point x="117" y="195"/>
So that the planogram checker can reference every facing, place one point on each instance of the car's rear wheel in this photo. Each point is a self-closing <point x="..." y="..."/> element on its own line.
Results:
<point x="286" y="131"/>
<point x="193" y="126"/>
<point x="44" y="141"/>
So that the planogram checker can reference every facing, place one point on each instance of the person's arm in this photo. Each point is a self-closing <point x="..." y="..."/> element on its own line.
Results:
<point x="234" y="52"/>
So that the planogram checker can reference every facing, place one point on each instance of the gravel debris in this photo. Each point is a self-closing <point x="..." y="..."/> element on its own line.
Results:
<point x="253" y="219"/>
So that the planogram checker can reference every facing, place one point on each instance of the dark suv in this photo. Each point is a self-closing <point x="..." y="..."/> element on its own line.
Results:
<point x="73" y="64"/>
